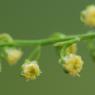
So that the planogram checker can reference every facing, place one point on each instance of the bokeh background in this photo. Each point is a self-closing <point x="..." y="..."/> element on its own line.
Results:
<point x="35" y="19"/>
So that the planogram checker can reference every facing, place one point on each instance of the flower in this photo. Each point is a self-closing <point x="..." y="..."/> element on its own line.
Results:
<point x="88" y="16"/>
<point x="71" y="49"/>
<point x="13" y="55"/>
<point x="73" y="64"/>
<point x="31" y="70"/>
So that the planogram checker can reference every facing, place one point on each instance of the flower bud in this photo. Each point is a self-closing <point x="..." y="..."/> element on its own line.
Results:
<point x="71" y="49"/>
<point x="13" y="55"/>
<point x="88" y="16"/>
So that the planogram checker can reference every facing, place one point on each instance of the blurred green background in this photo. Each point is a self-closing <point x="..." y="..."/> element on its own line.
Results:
<point x="35" y="19"/>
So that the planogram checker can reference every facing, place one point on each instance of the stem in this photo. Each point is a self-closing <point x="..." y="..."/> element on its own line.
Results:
<point x="48" y="41"/>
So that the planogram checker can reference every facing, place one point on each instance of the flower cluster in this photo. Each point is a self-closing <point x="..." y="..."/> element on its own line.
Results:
<point x="71" y="62"/>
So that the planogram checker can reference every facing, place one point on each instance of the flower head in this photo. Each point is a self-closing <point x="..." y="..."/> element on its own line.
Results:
<point x="88" y="16"/>
<point x="71" y="49"/>
<point x="73" y="64"/>
<point x="13" y="55"/>
<point x="31" y="70"/>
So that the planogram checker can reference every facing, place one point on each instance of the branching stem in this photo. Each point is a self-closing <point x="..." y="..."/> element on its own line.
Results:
<point x="50" y="41"/>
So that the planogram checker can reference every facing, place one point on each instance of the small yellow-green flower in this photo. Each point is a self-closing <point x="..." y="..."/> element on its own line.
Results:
<point x="71" y="49"/>
<point x="73" y="64"/>
<point x="31" y="70"/>
<point x="88" y="16"/>
<point x="13" y="55"/>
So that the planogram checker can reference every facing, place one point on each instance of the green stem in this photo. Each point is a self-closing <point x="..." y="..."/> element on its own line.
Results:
<point x="48" y="41"/>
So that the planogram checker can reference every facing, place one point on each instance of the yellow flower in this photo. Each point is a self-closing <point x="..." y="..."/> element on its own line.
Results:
<point x="31" y="70"/>
<point x="13" y="55"/>
<point x="71" y="49"/>
<point x="73" y="64"/>
<point x="88" y="16"/>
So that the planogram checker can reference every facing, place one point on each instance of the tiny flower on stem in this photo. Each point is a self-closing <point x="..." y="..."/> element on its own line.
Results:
<point x="73" y="64"/>
<point x="31" y="70"/>
<point x="88" y="16"/>
<point x="71" y="49"/>
<point x="13" y="55"/>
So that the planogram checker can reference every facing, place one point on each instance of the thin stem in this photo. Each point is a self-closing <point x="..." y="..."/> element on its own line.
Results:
<point x="48" y="41"/>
